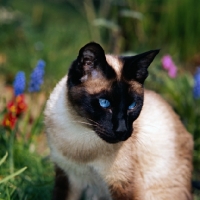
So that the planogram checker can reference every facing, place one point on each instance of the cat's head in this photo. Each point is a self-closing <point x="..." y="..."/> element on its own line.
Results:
<point x="108" y="90"/>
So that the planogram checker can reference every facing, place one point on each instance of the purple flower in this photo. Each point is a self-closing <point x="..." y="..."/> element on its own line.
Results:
<point x="169" y="65"/>
<point x="37" y="77"/>
<point x="19" y="83"/>
<point x="196" y="88"/>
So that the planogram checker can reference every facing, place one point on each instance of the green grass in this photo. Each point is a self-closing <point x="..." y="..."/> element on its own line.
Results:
<point x="35" y="182"/>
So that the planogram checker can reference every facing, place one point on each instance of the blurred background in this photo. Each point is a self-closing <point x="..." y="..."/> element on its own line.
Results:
<point x="54" y="31"/>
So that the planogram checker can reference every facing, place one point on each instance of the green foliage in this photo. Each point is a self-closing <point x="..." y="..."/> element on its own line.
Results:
<point x="42" y="30"/>
<point x="55" y="30"/>
<point x="35" y="180"/>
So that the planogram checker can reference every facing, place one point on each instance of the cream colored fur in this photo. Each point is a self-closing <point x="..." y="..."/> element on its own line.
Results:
<point x="152" y="156"/>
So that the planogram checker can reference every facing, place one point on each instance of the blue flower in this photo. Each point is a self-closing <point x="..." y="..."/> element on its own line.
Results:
<point x="37" y="75"/>
<point x="19" y="83"/>
<point x="196" y="88"/>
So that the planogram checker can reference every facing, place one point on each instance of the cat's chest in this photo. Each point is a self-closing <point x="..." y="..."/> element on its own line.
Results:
<point x="86" y="176"/>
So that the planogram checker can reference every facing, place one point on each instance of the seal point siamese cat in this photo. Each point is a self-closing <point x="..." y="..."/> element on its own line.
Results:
<point x="107" y="132"/>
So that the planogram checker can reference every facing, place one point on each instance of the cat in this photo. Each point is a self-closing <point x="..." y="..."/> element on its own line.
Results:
<point x="106" y="132"/>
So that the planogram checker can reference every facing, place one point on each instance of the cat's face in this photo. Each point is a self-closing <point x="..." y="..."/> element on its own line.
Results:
<point x="108" y="90"/>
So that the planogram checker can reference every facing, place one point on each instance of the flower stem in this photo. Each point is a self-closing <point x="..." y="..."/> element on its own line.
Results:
<point x="11" y="150"/>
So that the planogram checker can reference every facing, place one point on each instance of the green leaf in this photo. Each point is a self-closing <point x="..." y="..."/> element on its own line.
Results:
<point x="3" y="159"/>
<point x="12" y="175"/>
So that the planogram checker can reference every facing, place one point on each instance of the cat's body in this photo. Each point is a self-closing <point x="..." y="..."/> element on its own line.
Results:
<point x="151" y="163"/>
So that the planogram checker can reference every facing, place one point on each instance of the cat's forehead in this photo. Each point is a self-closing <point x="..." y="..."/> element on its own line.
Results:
<point x="99" y="83"/>
<point x="116" y="64"/>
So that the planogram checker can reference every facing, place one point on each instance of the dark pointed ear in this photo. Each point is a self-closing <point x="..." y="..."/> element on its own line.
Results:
<point x="135" y="67"/>
<point x="91" y="62"/>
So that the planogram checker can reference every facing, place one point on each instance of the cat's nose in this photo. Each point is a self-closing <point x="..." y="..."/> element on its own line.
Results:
<point x="121" y="129"/>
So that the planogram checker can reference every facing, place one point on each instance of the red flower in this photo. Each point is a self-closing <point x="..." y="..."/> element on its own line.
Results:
<point x="9" y="120"/>
<point x="15" y="108"/>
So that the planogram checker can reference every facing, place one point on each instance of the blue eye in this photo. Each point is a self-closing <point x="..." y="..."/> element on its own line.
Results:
<point x="104" y="103"/>
<point x="132" y="106"/>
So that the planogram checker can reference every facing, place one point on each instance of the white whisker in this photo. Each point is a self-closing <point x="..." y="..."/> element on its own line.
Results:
<point x="81" y="122"/>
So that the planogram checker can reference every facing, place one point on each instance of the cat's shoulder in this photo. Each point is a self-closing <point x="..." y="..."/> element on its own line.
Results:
<point x="158" y="111"/>
<point x="152" y="98"/>
<point x="152" y="95"/>
<point x="156" y="108"/>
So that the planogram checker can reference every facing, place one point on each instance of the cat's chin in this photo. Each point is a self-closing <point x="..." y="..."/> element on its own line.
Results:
<point x="111" y="140"/>
<point x="114" y="139"/>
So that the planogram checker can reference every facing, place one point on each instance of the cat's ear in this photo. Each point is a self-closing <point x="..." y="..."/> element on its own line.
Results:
<point x="90" y="63"/>
<point x="91" y="54"/>
<point x="135" y="67"/>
